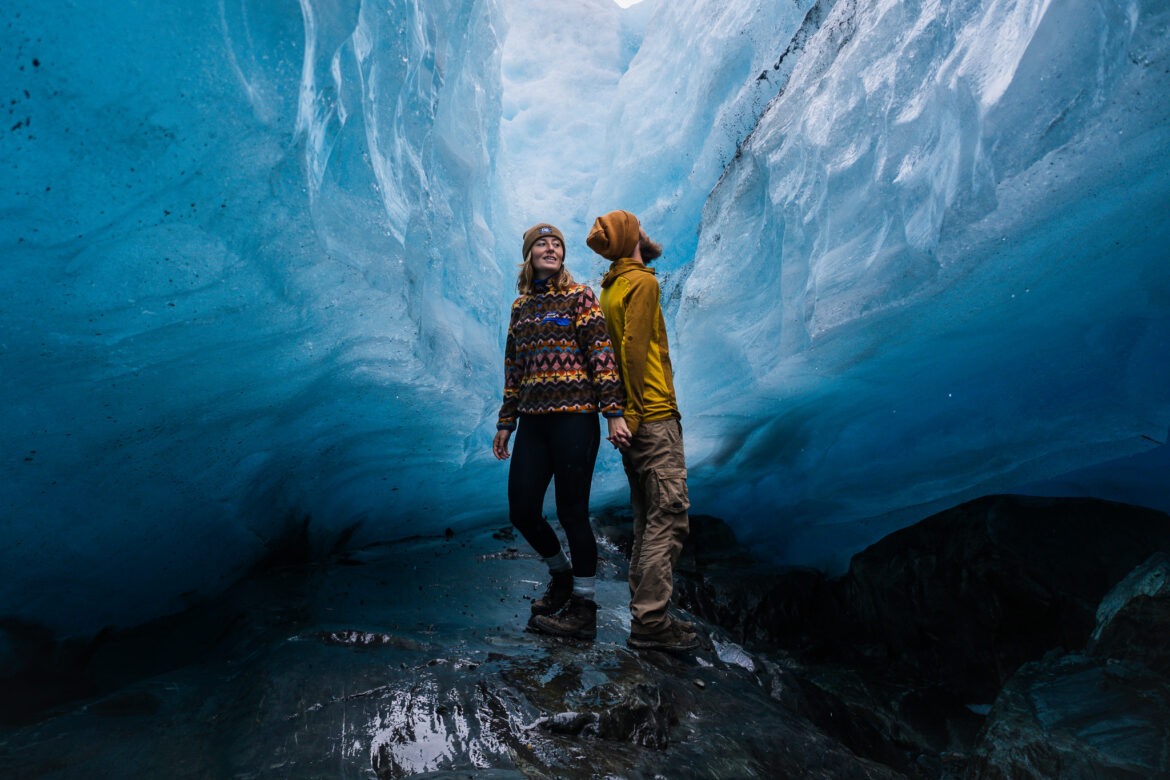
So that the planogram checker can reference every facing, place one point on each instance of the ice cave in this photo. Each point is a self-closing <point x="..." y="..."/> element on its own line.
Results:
<point x="258" y="262"/>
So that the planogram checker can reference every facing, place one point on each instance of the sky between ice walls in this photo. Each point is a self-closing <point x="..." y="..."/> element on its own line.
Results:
<point x="258" y="258"/>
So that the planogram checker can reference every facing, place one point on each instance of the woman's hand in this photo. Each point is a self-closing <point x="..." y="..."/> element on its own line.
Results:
<point x="619" y="433"/>
<point x="500" y="444"/>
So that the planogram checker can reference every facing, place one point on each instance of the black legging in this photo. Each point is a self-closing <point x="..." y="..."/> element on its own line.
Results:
<point x="564" y="446"/>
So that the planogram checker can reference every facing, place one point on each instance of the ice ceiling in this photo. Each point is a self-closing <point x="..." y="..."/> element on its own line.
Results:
<point x="258" y="256"/>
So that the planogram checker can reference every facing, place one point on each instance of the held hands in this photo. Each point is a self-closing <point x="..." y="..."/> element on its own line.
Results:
<point x="619" y="433"/>
<point x="619" y="437"/>
<point x="500" y="444"/>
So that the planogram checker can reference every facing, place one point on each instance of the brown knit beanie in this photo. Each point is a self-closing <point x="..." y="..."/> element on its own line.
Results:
<point x="536" y="232"/>
<point x="614" y="235"/>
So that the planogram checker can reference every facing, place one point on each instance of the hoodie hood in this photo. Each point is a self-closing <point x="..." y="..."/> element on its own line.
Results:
<point x="623" y="267"/>
<point x="614" y="235"/>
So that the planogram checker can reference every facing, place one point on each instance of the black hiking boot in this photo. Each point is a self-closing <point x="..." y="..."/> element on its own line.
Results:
<point x="556" y="594"/>
<point x="672" y="639"/>
<point x="577" y="620"/>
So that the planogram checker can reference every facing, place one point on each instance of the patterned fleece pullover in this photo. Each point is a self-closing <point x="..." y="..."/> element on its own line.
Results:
<point x="558" y="357"/>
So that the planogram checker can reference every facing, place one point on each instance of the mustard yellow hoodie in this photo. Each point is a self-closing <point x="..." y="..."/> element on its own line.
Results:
<point x="629" y="299"/>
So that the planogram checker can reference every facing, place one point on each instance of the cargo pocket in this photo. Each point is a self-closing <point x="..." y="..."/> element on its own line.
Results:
<point x="672" y="490"/>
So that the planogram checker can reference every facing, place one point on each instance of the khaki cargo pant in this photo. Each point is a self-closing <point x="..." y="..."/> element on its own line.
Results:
<point x="657" y="472"/>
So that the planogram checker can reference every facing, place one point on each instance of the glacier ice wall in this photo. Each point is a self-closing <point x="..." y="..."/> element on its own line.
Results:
<point x="703" y="73"/>
<point x="560" y="64"/>
<point x="258" y="259"/>
<point x="937" y="268"/>
<point x="249" y="283"/>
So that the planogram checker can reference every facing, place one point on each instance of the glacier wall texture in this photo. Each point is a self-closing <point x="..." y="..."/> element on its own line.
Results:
<point x="702" y="75"/>
<point x="258" y="259"/>
<point x="560" y="65"/>
<point x="250" y="286"/>
<point x="937" y="268"/>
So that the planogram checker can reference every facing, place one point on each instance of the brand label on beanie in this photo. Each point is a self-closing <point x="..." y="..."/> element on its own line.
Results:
<point x="545" y="229"/>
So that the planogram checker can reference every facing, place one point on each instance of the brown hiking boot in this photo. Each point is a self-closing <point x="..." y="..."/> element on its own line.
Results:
<point x="556" y="594"/>
<point x="672" y="639"/>
<point x="577" y="620"/>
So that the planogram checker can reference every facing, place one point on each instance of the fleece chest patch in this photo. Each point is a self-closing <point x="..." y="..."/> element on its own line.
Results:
<point x="554" y="318"/>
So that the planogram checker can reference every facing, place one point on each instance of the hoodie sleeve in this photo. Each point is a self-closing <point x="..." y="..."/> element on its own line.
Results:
<point x="593" y="340"/>
<point x="641" y="310"/>
<point x="507" y="419"/>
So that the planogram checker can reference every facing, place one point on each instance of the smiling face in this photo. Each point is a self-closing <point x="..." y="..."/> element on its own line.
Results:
<point x="548" y="254"/>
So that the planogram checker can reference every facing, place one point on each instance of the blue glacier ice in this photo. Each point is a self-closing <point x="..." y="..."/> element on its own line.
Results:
<point x="258" y="256"/>
<point x="952" y="278"/>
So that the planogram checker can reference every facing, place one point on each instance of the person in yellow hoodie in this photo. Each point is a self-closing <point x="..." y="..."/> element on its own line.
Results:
<point x="653" y="456"/>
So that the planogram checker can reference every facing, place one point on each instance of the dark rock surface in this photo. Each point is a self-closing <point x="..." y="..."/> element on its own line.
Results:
<point x="902" y="653"/>
<point x="1073" y="717"/>
<point x="1100" y="714"/>
<point x="412" y="660"/>
<point x="961" y="599"/>
<point x="1133" y="621"/>
<point x="967" y="596"/>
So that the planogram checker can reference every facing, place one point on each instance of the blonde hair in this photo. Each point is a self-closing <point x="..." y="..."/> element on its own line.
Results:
<point x="526" y="281"/>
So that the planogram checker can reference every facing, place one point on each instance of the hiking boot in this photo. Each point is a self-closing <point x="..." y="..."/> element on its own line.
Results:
<point x="577" y="620"/>
<point x="672" y="639"/>
<point x="556" y="594"/>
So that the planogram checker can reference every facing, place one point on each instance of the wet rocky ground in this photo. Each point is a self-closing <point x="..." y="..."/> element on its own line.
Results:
<point x="1006" y="638"/>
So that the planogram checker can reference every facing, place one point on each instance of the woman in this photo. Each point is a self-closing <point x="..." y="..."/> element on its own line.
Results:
<point x="559" y="372"/>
